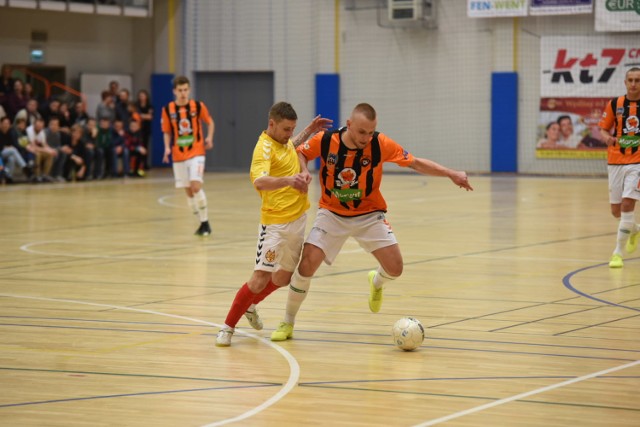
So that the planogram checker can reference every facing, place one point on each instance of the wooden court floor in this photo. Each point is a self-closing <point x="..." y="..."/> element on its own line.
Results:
<point x="109" y="306"/>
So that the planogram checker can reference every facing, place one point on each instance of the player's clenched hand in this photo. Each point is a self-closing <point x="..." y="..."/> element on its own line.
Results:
<point x="300" y="183"/>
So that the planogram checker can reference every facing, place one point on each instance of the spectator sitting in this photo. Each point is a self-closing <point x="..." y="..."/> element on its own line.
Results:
<point x="55" y="140"/>
<point x="30" y="113"/>
<point x="120" y="150"/>
<point x="50" y="110"/>
<point x="106" y="108"/>
<point x="44" y="155"/>
<point x="79" y="114"/>
<point x="65" y="117"/>
<point x="137" y="150"/>
<point x="9" y="151"/>
<point x="89" y="138"/>
<point x="75" y="166"/>
<point x="104" y="149"/>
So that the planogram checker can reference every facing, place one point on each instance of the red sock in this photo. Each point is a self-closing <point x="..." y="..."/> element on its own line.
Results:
<point x="242" y="301"/>
<point x="265" y="292"/>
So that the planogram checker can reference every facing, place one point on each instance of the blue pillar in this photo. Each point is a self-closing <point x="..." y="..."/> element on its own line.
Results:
<point x="328" y="99"/>
<point x="161" y="95"/>
<point x="504" y="122"/>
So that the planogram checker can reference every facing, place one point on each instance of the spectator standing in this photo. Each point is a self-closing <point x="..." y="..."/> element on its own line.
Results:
<point x="16" y="100"/>
<point x="145" y="109"/>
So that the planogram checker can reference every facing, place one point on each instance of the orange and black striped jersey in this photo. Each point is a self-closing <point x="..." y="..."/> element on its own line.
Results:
<point x="184" y="123"/>
<point x="350" y="178"/>
<point x="621" y="115"/>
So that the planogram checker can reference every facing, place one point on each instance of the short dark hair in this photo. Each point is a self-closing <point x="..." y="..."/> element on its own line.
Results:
<point x="564" y="116"/>
<point x="282" y="111"/>
<point x="631" y="70"/>
<point x="365" y="109"/>
<point x="180" y="80"/>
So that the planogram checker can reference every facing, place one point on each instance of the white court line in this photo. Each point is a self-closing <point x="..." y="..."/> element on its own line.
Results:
<point x="294" y="368"/>
<point x="526" y="394"/>
<point x="163" y="201"/>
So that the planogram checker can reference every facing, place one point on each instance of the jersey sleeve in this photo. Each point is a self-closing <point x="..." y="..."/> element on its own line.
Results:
<point x="261" y="161"/>
<point x="204" y="113"/>
<point x="310" y="149"/>
<point x="393" y="152"/>
<point x="607" y="119"/>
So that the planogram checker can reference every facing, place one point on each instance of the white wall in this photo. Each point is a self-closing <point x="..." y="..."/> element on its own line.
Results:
<point x="83" y="43"/>
<point x="431" y="87"/>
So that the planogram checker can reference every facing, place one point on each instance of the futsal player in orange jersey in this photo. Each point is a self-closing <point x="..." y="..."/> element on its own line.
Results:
<point x="351" y="204"/>
<point x="620" y="129"/>
<point x="182" y="125"/>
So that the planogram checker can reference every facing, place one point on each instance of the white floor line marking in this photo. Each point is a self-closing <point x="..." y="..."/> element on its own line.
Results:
<point x="294" y="367"/>
<point x="526" y="394"/>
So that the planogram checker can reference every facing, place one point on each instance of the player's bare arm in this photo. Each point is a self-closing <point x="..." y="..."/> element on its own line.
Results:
<point x="167" y="147"/>
<point x="267" y="183"/>
<point x="318" y="124"/>
<point x="607" y="137"/>
<point x="429" y="167"/>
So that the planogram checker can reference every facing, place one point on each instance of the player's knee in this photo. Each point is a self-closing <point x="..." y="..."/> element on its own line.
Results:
<point x="256" y="286"/>
<point x="394" y="271"/>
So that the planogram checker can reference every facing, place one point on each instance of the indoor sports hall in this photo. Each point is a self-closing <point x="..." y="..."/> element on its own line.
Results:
<point x="110" y="306"/>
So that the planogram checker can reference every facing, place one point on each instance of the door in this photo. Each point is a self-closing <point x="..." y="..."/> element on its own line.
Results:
<point x="239" y="103"/>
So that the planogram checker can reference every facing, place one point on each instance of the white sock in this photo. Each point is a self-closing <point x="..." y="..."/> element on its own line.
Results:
<point x="297" y="293"/>
<point x="381" y="278"/>
<point x="627" y="225"/>
<point x="201" y="203"/>
<point x="192" y="205"/>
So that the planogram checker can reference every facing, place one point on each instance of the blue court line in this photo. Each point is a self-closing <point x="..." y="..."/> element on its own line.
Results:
<point x="566" y="281"/>
<point x="118" y="374"/>
<point x="145" y="393"/>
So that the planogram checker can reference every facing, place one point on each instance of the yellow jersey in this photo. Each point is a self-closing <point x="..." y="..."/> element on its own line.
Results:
<point x="270" y="158"/>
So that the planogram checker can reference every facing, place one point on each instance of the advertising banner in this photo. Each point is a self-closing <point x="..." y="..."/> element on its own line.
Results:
<point x="578" y="76"/>
<point x="617" y="15"/>
<point x="496" y="8"/>
<point x="560" y="7"/>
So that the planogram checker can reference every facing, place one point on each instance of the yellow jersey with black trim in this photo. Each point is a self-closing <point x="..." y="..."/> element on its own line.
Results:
<point x="271" y="158"/>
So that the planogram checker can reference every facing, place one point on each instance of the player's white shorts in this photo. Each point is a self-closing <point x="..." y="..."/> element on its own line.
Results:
<point x="189" y="170"/>
<point x="280" y="245"/>
<point x="330" y="231"/>
<point x="624" y="182"/>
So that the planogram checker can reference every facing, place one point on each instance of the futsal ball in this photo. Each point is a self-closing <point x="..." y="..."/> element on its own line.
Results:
<point x="408" y="333"/>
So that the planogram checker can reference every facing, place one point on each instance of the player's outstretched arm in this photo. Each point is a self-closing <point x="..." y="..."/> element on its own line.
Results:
<point x="318" y="124"/>
<point x="429" y="167"/>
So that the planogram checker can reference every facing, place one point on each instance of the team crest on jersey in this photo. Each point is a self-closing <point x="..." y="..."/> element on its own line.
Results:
<point x="365" y="161"/>
<point x="347" y="178"/>
<point x="184" y="127"/>
<point x="632" y="124"/>
<point x="619" y="111"/>
<point x="332" y="159"/>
